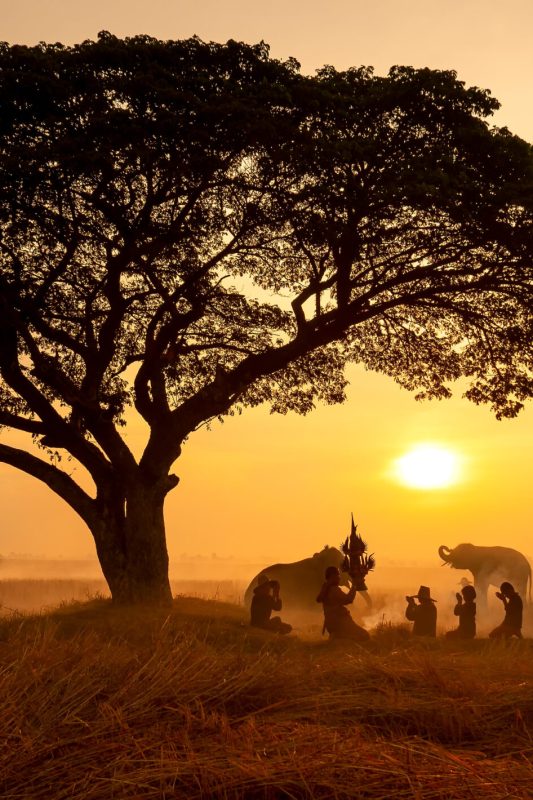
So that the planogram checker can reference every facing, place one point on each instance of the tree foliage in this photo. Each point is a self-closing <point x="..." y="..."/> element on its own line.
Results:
<point x="190" y="227"/>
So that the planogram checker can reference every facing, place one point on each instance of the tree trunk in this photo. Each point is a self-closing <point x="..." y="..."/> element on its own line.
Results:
<point x="131" y="547"/>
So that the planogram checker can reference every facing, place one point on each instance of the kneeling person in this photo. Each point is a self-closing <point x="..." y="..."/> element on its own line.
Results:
<point x="467" y="614"/>
<point x="338" y="621"/>
<point x="266" y="599"/>
<point x="423" y="614"/>
<point x="512" y="623"/>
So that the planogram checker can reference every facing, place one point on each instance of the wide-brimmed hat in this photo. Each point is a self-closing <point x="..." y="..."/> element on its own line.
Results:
<point x="424" y="593"/>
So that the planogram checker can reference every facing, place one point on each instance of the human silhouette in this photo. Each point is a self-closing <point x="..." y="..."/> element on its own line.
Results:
<point x="512" y="623"/>
<point x="338" y="621"/>
<point x="424" y="615"/>
<point x="267" y="599"/>
<point x="466" y="611"/>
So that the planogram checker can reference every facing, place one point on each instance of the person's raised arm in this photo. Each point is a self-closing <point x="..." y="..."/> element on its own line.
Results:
<point x="410" y="611"/>
<point x="321" y="596"/>
<point x="349" y="596"/>
<point x="276" y="599"/>
<point x="459" y="605"/>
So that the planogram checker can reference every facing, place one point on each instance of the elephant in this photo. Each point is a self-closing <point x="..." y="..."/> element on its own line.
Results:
<point x="490" y="566"/>
<point x="300" y="581"/>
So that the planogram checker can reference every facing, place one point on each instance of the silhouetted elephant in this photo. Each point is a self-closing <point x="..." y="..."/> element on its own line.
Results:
<point x="490" y="566"/>
<point x="300" y="581"/>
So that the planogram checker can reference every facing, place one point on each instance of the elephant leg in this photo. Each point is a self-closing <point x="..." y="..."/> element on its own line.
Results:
<point x="481" y="585"/>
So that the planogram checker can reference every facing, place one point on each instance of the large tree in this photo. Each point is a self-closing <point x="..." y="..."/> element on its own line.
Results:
<point x="189" y="227"/>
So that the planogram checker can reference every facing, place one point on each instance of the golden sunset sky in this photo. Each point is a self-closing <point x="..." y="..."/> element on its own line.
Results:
<point x="279" y="488"/>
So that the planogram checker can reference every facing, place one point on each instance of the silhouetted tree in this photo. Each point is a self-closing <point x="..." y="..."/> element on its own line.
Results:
<point x="191" y="227"/>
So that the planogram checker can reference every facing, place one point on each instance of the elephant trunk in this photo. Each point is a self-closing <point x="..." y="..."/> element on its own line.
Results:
<point x="444" y="553"/>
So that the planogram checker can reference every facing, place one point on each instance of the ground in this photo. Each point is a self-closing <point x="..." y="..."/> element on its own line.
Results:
<point x="102" y="703"/>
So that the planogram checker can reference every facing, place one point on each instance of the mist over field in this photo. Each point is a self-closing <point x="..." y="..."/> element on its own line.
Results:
<point x="30" y="585"/>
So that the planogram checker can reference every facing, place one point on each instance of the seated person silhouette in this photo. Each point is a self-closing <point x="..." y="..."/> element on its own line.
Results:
<point x="266" y="599"/>
<point x="338" y="621"/>
<point x="512" y="623"/>
<point x="466" y="611"/>
<point x="424" y="615"/>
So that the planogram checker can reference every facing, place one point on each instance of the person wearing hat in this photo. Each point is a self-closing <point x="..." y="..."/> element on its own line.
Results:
<point x="512" y="603"/>
<point x="424" y="615"/>
<point x="466" y="611"/>
<point x="266" y="599"/>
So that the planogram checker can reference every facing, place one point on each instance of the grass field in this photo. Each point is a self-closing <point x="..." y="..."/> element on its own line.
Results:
<point x="42" y="594"/>
<point x="99" y="703"/>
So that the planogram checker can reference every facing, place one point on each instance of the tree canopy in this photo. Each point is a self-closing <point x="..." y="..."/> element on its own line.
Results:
<point x="186" y="228"/>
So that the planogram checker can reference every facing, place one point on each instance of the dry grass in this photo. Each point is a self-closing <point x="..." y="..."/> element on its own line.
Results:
<point x="99" y="703"/>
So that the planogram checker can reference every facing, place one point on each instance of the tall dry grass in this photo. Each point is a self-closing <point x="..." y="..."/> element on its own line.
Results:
<point x="100" y="703"/>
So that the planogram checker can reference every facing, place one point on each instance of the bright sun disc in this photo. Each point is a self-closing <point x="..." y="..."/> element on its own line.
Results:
<point x="427" y="467"/>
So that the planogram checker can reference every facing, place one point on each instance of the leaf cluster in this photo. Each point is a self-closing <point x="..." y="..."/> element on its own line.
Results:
<point x="189" y="228"/>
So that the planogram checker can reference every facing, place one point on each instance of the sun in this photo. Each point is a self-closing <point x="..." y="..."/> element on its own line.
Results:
<point x="427" y="466"/>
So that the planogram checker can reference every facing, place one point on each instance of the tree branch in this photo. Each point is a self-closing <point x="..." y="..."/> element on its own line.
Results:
<point x="57" y="480"/>
<point x="21" y="423"/>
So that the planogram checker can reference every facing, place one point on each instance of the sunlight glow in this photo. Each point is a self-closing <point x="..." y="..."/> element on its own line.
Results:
<point x="427" y="466"/>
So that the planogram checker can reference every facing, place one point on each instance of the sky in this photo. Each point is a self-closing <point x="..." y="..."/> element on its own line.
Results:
<point x="264" y="487"/>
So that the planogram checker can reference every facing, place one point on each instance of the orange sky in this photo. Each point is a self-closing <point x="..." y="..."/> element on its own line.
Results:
<point x="281" y="487"/>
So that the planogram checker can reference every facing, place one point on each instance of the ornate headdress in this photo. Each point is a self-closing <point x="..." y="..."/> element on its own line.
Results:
<point x="357" y="563"/>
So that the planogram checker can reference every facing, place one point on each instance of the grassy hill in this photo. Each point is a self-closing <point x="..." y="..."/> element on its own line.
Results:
<point x="101" y="703"/>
